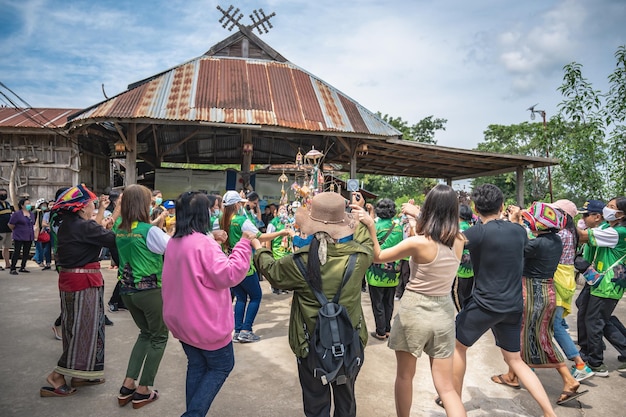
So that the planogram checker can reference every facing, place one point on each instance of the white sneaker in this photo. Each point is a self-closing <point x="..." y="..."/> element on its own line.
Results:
<point x="582" y="374"/>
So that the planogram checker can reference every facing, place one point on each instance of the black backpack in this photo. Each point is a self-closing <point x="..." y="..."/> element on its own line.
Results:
<point x="335" y="346"/>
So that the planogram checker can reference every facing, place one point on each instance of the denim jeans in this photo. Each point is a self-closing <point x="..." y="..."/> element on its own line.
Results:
<point x="38" y="258"/>
<point x="246" y="311"/>
<point x="562" y="337"/>
<point x="206" y="372"/>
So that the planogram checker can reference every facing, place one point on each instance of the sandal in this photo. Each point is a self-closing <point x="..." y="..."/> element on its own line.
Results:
<point x="139" y="400"/>
<point x="126" y="396"/>
<point x="62" y="391"/>
<point x="567" y="396"/>
<point x="499" y="379"/>
<point x="439" y="402"/>
<point x="78" y="382"/>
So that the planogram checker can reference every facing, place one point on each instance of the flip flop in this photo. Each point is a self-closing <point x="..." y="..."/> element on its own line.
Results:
<point x="499" y="379"/>
<point x="139" y="400"/>
<point x="126" y="396"/>
<point x="570" y="395"/>
<point x="77" y="382"/>
<point x="439" y="402"/>
<point x="62" y="391"/>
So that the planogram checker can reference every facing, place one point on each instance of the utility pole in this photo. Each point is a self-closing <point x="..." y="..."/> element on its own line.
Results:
<point x="545" y="139"/>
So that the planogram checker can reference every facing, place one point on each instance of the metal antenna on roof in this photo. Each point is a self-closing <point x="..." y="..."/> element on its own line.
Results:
<point x="232" y="19"/>
<point x="258" y="17"/>
<point x="260" y="22"/>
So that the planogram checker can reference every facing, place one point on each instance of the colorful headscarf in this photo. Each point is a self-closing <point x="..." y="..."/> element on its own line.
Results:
<point x="74" y="199"/>
<point x="541" y="217"/>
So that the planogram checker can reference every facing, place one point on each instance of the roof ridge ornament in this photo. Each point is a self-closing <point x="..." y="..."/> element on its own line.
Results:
<point x="258" y="17"/>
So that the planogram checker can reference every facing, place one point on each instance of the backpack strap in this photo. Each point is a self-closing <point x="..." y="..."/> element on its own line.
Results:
<point x="321" y="298"/>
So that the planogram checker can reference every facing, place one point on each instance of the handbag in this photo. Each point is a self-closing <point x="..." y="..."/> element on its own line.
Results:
<point x="43" y="236"/>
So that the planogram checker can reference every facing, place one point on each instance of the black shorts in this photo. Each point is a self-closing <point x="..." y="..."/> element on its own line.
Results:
<point x="473" y="321"/>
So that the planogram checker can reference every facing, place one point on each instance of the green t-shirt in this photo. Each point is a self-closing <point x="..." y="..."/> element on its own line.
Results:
<point x="385" y="275"/>
<point x="140" y="268"/>
<point x="278" y="249"/>
<point x="610" y="247"/>
<point x="238" y="224"/>
<point x="466" y="270"/>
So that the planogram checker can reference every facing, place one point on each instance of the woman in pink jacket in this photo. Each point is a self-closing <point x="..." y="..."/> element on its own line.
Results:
<point x="197" y="306"/>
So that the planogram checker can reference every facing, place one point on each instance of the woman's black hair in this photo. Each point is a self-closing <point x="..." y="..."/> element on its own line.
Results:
<point x="192" y="213"/>
<point x="212" y="199"/>
<point x="313" y="271"/>
<point x="385" y="208"/>
<point x="20" y="203"/>
<point x="620" y="202"/>
<point x="439" y="219"/>
<point x="465" y="212"/>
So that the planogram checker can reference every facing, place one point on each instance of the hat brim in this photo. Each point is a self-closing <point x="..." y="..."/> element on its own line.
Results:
<point x="334" y="230"/>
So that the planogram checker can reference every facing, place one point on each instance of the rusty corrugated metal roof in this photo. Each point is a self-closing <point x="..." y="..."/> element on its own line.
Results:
<point x="34" y="117"/>
<point x="242" y="91"/>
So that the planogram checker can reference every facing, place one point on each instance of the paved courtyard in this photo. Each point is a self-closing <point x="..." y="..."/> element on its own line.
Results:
<point x="264" y="381"/>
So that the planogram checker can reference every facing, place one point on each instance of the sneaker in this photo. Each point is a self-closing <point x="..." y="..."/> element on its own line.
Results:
<point x="247" y="337"/>
<point x="601" y="370"/>
<point x="45" y="268"/>
<point x="13" y="272"/>
<point x="236" y="338"/>
<point x="113" y="307"/>
<point x="582" y="374"/>
<point x="107" y="322"/>
<point x="622" y="367"/>
<point x="24" y="270"/>
<point x="621" y="358"/>
<point x="57" y="333"/>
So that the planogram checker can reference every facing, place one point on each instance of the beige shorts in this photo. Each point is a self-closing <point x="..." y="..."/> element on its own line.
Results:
<point x="424" y="324"/>
<point x="6" y="241"/>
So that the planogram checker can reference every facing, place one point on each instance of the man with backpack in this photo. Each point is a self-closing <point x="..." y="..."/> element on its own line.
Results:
<point x="327" y="331"/>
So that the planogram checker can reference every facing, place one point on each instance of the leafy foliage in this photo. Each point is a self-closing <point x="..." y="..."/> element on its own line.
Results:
<point x="401" y="189"/>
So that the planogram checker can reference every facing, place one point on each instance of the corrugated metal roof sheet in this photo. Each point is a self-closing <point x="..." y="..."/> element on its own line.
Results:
<point x="242" y="91"/>
<point x="34" y="117"/>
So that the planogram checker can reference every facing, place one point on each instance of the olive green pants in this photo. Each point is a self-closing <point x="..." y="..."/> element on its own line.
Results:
<point x="146" y="308"/>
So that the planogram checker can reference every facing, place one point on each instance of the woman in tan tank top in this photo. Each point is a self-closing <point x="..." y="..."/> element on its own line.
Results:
<point x="425" y="319"/>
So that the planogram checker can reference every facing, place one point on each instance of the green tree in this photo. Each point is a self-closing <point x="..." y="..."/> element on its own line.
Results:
<point x="529" y="139"/>
<point x="581" y="148"/>
<point x="615" y="116"/>
<point x="401" y="189"/>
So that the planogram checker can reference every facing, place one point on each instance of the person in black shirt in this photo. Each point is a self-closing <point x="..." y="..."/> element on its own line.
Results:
<point x="497" y="251"/>
<point x="6" y="209"/>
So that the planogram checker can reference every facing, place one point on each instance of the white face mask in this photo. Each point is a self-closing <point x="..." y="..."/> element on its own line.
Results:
<point x="609" y="214"/>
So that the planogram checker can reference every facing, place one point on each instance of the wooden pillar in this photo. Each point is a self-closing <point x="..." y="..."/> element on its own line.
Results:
<point x="246" y="136"/>
<point x="353" y="159"/>
<point x="519" y="187"/>
<point x="131" y="156"/>
<point x="449" y="182"/>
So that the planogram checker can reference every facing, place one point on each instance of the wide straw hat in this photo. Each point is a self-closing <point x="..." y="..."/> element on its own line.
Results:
<point x="326" y="213"/>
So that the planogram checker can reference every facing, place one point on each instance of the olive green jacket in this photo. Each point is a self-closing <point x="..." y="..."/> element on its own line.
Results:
<point x="284" y="274"/>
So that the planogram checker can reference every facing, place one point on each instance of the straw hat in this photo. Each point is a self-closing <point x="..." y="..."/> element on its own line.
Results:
<point x="327" y="213"/>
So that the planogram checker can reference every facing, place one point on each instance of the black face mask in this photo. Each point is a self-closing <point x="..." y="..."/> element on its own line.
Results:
<point x="3" y="197"/>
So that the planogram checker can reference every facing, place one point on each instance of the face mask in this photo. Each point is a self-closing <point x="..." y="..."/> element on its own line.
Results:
<point x="3" y="197"/>
<point x="28" y="207"/>
<point x="44" y="208"/>
<point x="216" y="212"/>
<point x="158" y="201"/>
<point x="609" y="214"/>
<point x="151" y="210"/>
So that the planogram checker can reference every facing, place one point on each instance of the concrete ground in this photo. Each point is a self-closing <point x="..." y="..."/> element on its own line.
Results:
<point x="264" y="381"/>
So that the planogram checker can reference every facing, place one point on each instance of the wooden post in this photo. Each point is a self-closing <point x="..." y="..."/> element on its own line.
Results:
<point x="131" y="156"/>
<point x="353" y="159"/>
<point x="519" y="187"/>
<point x="246" y="136"/>
<point x="449" y="182"/>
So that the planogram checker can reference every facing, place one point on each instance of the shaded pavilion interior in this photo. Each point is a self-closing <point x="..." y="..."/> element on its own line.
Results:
<point x="243" y="103"/>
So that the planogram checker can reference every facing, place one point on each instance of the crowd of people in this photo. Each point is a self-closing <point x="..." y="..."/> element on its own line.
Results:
<point x="450" y="271"/>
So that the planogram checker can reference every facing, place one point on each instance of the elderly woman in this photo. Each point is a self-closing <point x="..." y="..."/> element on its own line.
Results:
<point x="79" y="242"/>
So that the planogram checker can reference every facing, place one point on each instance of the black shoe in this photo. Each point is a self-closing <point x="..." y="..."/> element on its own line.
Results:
<point x="13" y="272"/>
<point x="24" y="270"/>
<point x="107" y="322"/>
<point x="621" y="358"/>
<point x="112" y="307"/>
<point x="46" y="267"/>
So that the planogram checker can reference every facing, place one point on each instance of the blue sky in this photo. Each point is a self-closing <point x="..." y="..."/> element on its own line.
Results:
<point x="474" y="63"/>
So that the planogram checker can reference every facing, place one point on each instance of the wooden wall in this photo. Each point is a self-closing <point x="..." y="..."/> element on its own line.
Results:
<point x="47" y="162"/>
